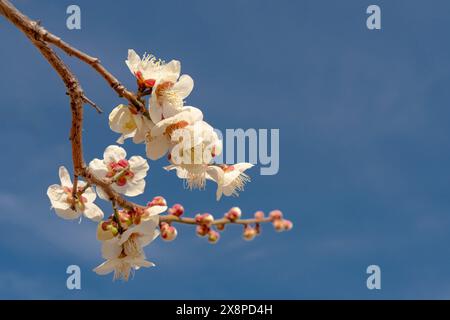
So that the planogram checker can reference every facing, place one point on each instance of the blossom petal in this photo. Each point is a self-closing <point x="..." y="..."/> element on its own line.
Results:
<point x="98" y="167"/>
<point x="111" y="249"/>
<point x="106" y="267"/>
<point x="67" y="214"/>
<point x="64" y="176"/>
<point x="58" y="197"/>
<point x="139" y="167"/>
<point x="157" y="147"/>
<point x="93" y="212"/>
<point x="114" y="154"/>
<point x="133" y="60"/>
<point x="184" y="86"/>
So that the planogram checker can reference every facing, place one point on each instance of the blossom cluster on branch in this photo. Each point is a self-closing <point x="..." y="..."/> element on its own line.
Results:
<point x="157" y="117"/>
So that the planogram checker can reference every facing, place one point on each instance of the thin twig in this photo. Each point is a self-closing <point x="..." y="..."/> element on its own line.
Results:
<point x="92" y="103"/>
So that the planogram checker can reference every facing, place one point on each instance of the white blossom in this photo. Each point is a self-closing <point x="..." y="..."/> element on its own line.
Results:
<point x="66" y="207"/>
<point x="127" y="176"/>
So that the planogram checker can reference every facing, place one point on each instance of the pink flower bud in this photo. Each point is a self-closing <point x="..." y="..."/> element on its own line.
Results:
<point x="177" y="210"/>
<point x="278" y="224"/>
<point x="275" y="215"/>
<point x="169" y="233"/>
<point x="220" y="226"/>
<point x="202" y="230"/>
<point x="259" y="215"/>
<point x="157" y="201"/>
<point x="205" y="219"/>
<point x="288" y="225"/>
<point x="233" y="214"/>
<point x="213" y="236"/>
<point x="163" y="226"/>
<point x="249" y="233"/>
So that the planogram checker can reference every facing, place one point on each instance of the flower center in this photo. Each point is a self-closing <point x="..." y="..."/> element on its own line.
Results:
<point x="120" y="172"/>
<point x="79" y="201"/>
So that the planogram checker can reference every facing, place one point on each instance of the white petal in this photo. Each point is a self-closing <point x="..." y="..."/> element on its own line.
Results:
<point x="157" y="147"/>
<point x="153" y="211"/>
<point x="93" y="212"/>
<point x="67" y="214"/>
<point x="111" y="249"/>
<point x="98" y="168"/>
<point x="64" y="176"/>
<point x="132" y="188"/>
<point x="184" y="86"/>
<point x="133" y="60"/>
<point x="58" y="197"/>
<point x="243" y="166"/>
<point x="139" y="167"/>
<point x="155" y="110"/>
<point x="106" y="267"/>
<point x="102" y="194"/>
<point x="90" y="195"/>
<point x="172" y="70"/>
<point x="114" y="154"/>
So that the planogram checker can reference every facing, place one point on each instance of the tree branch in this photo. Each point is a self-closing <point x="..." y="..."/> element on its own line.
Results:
<point x="41" y="39"/>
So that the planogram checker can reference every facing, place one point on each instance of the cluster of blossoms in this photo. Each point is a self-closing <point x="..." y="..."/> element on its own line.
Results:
<point x="170" y="128"/>
<point x="167" y="127"/>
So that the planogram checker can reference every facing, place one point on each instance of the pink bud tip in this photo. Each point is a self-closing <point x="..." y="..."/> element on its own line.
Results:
<point x="176" y="210"/>
<point x="233" y="214"/>
<point x="169" y="233"/>
<point x="259" y="215"/>
<point x="205" y="219"/>
<point x="249" y="233"/>
<point x="202" y="230"/>
<point x="288" y="225"/>
<point x="276" y="214"/>
<point x="157" y="201"/>
<point x="213" y="236"/>
<point x="278" y="224"/>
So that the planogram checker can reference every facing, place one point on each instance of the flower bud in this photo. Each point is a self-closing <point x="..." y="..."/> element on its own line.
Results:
<point x="233" y="214"/>
<point x="106" y="230"/>
<point x="278" y="224"/>
<point x="168" y="233"/>
<point x="205" y="219"/>
<point x="259" y="215"/>
<point x="220" y="226"/>
<point x="249" y="233"/>
<point x="202" y="230"/>
<point x="176" y="210"/>
<point x="157" y="201"/>
<point x="213" y="236"/>
<point x="287" y="225"/>
<point x="275" y="215"/>
<point x="164" y="225"/>
<point x="125" y="219"/>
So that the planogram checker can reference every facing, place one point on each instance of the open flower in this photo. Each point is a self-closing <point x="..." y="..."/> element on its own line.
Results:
<point x="149" y="70"/>
<point x="130" y="123"/>
<point x="125" y="253"/>
<point x="229" y="178"/>
<point x="68" y="207"/>
<point x="126" y="176"/>
<point x="159" y="140"/>
<point x="167" y="98"/>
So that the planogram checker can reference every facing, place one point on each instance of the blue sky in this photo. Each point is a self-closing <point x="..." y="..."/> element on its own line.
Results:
<point x="364" y="154"/>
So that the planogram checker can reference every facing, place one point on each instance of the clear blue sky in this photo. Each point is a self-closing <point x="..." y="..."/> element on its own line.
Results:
<point x="364" y="165"/>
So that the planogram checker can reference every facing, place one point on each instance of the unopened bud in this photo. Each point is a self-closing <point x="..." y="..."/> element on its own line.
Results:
<point x="249" y="233"/>
<point x="220" y="226"/>
<point x="233" y="214"/>
<point x="205" y="219"/>
<point x="202" y="230"/>
<point x="259" y="215"/>
<point x="288" y="225"/>
<point x="157" y="201"/>
<point x="169" y="233"/>
<point x="276" y="214"/>
<point x="125" y="219"/>
<point x="213" y="236"/>
<point x="176" y="210"/>
<point x="106" y="231"/>
<point x="164" y="225"/>
<point x="278" y="224"/>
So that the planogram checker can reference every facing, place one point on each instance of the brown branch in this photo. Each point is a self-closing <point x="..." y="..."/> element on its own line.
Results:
<point x="41" y="39"/>
<point x="92" y="104"/>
